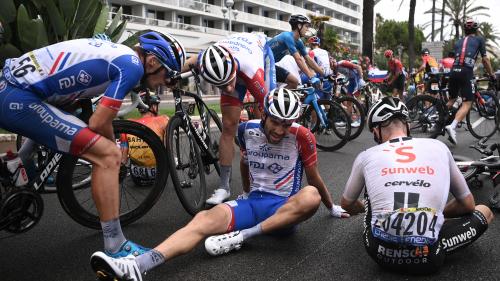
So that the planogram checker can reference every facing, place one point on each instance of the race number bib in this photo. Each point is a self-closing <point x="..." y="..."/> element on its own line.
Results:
<point x="409" y="226"/>
<point x="142" y="172"/>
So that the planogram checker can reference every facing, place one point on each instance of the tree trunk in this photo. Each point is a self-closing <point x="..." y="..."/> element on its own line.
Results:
<point x="368" y="6"/>
<point x="411" y="35"/>
<point x="442" y="21"/>
<point x="457" y="28"/>
<point x="433" y="18"/>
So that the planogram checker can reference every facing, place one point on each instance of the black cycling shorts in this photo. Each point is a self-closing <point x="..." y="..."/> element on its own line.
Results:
<point x="281" y="74"/>
<point x="462" y="81"/>
<point x="399" y="84"/>
<point x="455" y="234"/>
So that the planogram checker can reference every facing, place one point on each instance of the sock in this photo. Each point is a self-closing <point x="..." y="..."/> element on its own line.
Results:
<point x="454" y="124"/>
<point x="251" y="232"/>
<point x="149" y="260"/>
<point x="225" y="176"/>
<point x="113" y="235"/>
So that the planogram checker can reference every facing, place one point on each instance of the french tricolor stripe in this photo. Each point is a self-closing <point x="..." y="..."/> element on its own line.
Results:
<point x="56" y="63"/>
<point x="64" y="61"/>
<point x="286" y="180"/>
<point x="286" y="175"/>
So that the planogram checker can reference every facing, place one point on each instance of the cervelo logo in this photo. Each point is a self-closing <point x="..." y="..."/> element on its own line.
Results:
<point x="408" y="183"/>
<point x="459" y="239"/>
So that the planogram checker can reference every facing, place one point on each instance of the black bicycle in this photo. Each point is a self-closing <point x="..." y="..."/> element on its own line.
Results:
<point x="192" y="145"/>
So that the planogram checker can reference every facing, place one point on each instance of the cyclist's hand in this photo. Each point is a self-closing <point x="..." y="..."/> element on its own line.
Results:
<point x="337" y="212"/>
<point x="315" y="81"/>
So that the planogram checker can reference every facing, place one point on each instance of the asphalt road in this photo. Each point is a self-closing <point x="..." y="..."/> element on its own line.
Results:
<point x="323" y="248"/>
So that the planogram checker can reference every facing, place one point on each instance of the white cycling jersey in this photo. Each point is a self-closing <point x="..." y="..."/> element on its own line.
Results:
<point x="288" y="62"/>
<point x="407" y="184"/>
<point x="323" y="60"/>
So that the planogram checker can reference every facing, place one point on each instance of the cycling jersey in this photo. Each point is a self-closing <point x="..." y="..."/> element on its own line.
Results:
<point x="323" y="59"/>
<point x="285" y="44"/>
<point x="276" y="168"/>
<point x="407" y="188"/>
<point x="347" y="68"/>
<point x="447" y="64"/>
<point x="467" y="49"/>
<point x="59" y="73"/>
<point x="289" y="63"/>
<point x="395" y="66"/>
<point x="431" y="64"/>
<point x="256" y="71"/>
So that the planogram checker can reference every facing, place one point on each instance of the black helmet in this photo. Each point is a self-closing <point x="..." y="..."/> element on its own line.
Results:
<point x="385" y="109"/>
<point x="425" y="51"/>
<point x="298" y="19"/>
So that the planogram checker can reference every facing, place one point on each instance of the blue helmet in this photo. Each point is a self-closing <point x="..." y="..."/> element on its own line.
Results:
<point x="166" y="48"/>
<point x="314" y="40"/>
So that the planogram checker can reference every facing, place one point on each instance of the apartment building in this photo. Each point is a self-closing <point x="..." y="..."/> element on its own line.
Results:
<point x="199" y="23"/>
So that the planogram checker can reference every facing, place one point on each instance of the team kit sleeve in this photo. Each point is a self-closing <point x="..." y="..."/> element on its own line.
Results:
<point x="482" y="47"/>
<point x="356" y="180"/>
<point x="307" y="147"/>
<point x="289" y="42"/>
<point x="301" y="48"/>
<point x="124" y="72"/>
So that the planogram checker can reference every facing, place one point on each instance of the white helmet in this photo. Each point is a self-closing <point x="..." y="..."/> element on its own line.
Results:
<point x="282" y="104"/>
<point x="385" y="109"/>
<point x="217" y="65"/>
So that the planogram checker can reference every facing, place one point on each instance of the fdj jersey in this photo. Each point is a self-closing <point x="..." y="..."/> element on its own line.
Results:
<point x="276" y="168"/>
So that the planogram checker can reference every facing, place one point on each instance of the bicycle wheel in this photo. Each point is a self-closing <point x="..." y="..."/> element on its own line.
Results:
<point x="357" y="115"/>
<point x="427" y="116"/>
<point x="212" y="137"/>
<point x="336" y="134"/>
<point x="464" y="165"/>
<point x="482" y="119"/>
<point x="186" y="166"/>
<point x="135" y="199"/>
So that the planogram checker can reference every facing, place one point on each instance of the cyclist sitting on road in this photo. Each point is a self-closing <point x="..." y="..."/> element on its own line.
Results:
<point x="462" y="74"/>
<point x="274" y="151"/>
<point x="143" y="162"/>
<point x="396" y="78"/>
<point x="289" y="43"/>
<point x="83" y="68"/>
<point x="236" y="64"/>
<point x="409" y="227"/>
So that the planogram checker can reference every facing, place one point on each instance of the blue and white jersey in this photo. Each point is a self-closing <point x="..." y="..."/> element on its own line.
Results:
<point x="75" y="69"/>
<point x="284" y="44"/>
<point x="276" y="168"/>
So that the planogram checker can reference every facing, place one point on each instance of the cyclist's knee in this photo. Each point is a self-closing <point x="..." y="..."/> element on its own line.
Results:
<point x="105" y="154"/>
<point x="488" y="214"/>
<point x="310" y="199"/>
<point x="292" y="82"/>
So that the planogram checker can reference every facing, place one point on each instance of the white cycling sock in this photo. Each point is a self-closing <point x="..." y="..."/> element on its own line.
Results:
<point x="149" y="260"/>
<point x="251" y="232"/>
<point x="454" y="124"/>
<point x="113" y="235"/>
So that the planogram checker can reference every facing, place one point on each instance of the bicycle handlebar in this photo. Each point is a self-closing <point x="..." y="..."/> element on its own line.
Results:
<point x="136" y="103"/>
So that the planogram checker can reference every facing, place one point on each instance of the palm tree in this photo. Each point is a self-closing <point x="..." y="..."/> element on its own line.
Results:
<point x="368" y="7"/>
<point x="442" y="21"/>
<point x="433" y="17"/>
<point x="491" y="37"/>
<point x="317" y="23"/>
<point x="411" y="34"/>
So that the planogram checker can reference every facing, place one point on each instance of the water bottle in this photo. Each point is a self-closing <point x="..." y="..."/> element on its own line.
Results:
<point x="16" y="168"/>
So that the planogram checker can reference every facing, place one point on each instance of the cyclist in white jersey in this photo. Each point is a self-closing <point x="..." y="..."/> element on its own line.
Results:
<point x="241" y="62"/>
<point x="275" y="151"/>
<point x="321" y="55"/>
<point x="67" y="71"/>
<point x="409" y="226"/>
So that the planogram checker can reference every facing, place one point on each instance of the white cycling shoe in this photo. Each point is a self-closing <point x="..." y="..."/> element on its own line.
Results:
<point x="220" y="195"/>
<point x="355" y="124"/>
<point x="119" y="269"/>
<point x="225" y="243"/>
<point x="452" y="134"/>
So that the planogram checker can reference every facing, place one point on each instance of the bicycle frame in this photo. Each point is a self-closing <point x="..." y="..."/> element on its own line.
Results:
<point x="312" y="98"/>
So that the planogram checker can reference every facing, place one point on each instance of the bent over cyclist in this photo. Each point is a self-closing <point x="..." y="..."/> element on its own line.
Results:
<point x="67" y="71"/>
<point x="275" y="151"/>
<point x="462" y="74"/>
<point x="409" y="226"/>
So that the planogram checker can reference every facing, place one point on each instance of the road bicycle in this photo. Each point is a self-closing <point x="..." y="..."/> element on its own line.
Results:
<point x="429" y="115"/>
<point x="192" y="146"/>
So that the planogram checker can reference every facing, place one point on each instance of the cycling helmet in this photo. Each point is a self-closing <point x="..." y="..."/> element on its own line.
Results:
<point x="282" y="104"/>
<point x="388" y="53"/>
<point x="298" y="19"/>
<point x="166" y="48"/>
<point x="385" y="109"/>
<point x="425" y="51"/>
<point x="217" y="65"/>
<point x="470" y="24"/>
<point x="314" y="40"/>
<point x="101" y="36"/>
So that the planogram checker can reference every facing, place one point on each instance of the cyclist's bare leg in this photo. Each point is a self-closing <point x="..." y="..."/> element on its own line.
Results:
<point x="291" y="82"/>
<point x="205" y="223"/>
<point x="230" y="120"/>
<point x="463" y="110"/>
<point x="298" y="208"/>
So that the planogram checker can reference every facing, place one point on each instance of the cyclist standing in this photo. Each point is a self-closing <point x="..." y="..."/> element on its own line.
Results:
<point x="396" y="78"/>
<point x="289" y="43"/>
<point x="236" y="64"/>
<point x="83" y="68"/>
<point x="409" y="226"/>
<point x="462" y="74"/>
<point x="275" y="151"/>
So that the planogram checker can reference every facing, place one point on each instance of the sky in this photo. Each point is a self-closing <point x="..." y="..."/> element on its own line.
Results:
<point x="389" y="10"/>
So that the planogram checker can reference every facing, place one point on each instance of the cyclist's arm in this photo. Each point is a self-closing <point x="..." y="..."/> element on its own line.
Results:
<point x="245" y="175"/>
<point x="302" y="65"/>
<point x="463" y="203"/>
<point x="314" y="179"/>
<point x="101" y="121"/>
<point x="311" y="63"/>
<point x="487" y="65"/>
<point x="353" y="188"/>
<point x="190" y="62"/>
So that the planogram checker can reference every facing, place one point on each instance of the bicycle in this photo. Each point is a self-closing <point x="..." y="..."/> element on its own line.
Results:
<point x="429" y="115"/>
<point x="192" y="151"/>
<point x="326" y="119"/>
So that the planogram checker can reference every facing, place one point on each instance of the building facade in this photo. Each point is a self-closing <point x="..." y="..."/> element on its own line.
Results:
<point x="199" y="23"/>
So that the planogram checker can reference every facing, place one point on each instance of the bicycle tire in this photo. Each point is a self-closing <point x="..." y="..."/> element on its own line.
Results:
<point x="214" y="139"/>
<point x="173" y="144"/>
<point x="68" y="196"/>
<point x="339" y="135"/>
<point x="427" y="116"/>
<point x="359" y="111"/>
<point x="467" y="170"/>
<point x="485" y="113"/>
